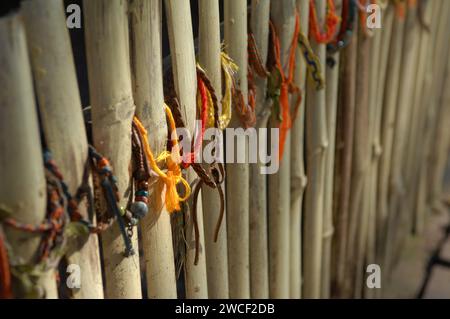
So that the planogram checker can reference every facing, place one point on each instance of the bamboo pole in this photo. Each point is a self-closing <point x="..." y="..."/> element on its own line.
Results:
<point x="426" y="115"/>
<point x="24" y="170"/>
<point x="112" y="112"/>
<point x="416" y="129"/>
<point x="388" y="120"/>
<point x="237" y="182"/>
<point x="61" y="116"/>
<point x="145" y="17"/>
<point x="375" y="112"/>
<point x="209" y="58"/>
<point x="343" y="163"/>
<point x="378" y="146"/>
<point x="397" y="186"/>
<point x="184" y="75"/>
<point x="316" y="145"/>
<point x="442" y="140"/>
<point x="259" y="266"/>
<point x="436" y="159"/>
<point x="332" y="75"/>
<point x="298" y="176"/>
<point x="440" y="52"/>
<point x="357" y="216"/>
<point x="385" y="44"/>
<point x="283" y="17"/>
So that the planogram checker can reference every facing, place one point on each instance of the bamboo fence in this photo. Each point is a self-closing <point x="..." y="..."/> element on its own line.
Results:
<point x="106" y="184"/>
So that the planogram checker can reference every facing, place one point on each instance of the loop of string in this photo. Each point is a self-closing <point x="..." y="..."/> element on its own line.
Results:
<point x="211" y="175"/>
<point x="346" y="29"/>
<point x="286" y="86"/>
<point x="108" y="182"/>
<point x="173" y="176"/>
<point x="62" y="207"/>
<point x="331" y="22"/>
<point x="312" y="61"/>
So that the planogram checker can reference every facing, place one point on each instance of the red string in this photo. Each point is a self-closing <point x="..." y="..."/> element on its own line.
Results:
<point x="190" y="157"/>
<point x="331" y="23"/>
<point x="5" y="274"/>
<point x="286" y="82"/>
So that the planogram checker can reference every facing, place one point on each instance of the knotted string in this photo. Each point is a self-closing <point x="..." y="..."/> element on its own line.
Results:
<point x="173" y="176"/>
<point x="331" y="22"/>
<point x="286" y="85"/>
<point x="312" y="61"/>
<point x="202" y="100"/>
<point x="346" y="30"/>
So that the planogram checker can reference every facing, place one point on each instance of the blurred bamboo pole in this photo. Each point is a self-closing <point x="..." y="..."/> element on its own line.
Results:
<point x="332" y="75"/>
<point x="375" y="113"/>
<point x="388" y="121"/>
<point x="416" y="129"/>
<point x="442" y="140"/>
<point x="184" y="75"/>
<point x="283" y="17"/>
<point x="259" y="261"/>
<point x="361" y="156"/>
<point x="386" y="43"/>
<point x="18" y="118"/>
<point x="316" y="145"/>
<point x="112" y="113"/>
<point x="209" y="58"/>
<point x="397" y="187"/>
<point x="298" y="175"/>
<point x="62" y="119"/>
<point x="237" y="182"/>
<point x="145" y="22"/>
<point x="436" y="159"/>
<point x="426" y="114"/>
<point x="343" y="163"/>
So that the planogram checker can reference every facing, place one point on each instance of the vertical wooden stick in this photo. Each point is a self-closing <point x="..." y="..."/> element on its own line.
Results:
<point x="427" y="114"/>
<point x="148" y="94"/>
<point x="298" y="176"/>
<point x="332" y="75"/>
<point x="316" y="145"/>
<point x="21" y="162"/>
<point x="259" y="262"/>
<point x="185" y="79"/>
<point x="416" y="130"/>
<point x="61" y="115"/>
<point x="237" y="181"/>
<point x="390" y="98"/>
<point x="209" y="58"/>
<point x="112" y="113"/>
<point x="378" y="146"/>
<point x="407" y="72"/>
<point x="343" y="163"/>
<point x="283" y="17"/>
<point x="435" y="167"/>
<point x="375" y="112"/>
<point x="442" y="139"/>
<point x="359" y="166"/>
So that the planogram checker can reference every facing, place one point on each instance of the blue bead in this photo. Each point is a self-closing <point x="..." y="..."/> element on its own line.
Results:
<point x="139" y="209"/>
<point x="134" y="221"/>
<point x="142" y="193"/>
